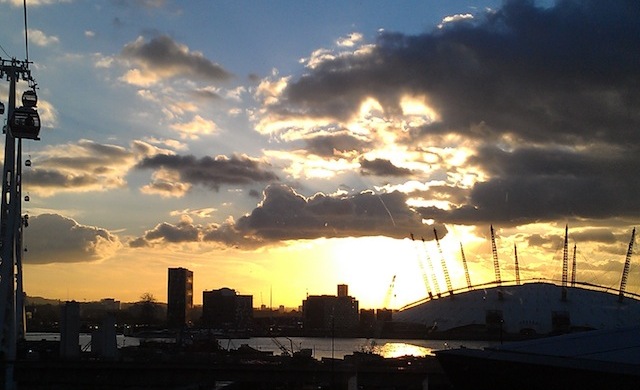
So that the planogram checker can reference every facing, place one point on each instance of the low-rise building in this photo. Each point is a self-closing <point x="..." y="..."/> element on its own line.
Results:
<point x="330" y="314"/>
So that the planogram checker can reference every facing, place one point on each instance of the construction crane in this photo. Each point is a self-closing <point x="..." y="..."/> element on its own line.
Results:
<point x="466" y="269"/>
<point x="627" y="263"/>
<point x="387" y="298"/>
<point x="434" y="279"/>
<point x="443" y="263"/>
<point x="422" y="271"/>
<point x="515" y="252"/>
<point x="494" y="251"/>
<point x="285" y="351"/>
<point x="565" y="260"/>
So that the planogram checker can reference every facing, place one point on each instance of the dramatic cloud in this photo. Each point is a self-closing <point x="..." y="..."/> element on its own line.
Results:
<point x="52" y="238"/>
<point x="186" y="232"/>
<point x="208" y="171"/>
<point x="162" y="57"/>
<point x="544" y="101"/>
<point x="284" y="215"/>
<point x="544" y="74"/>
<point x="167" y="184"/>
<point x="183" y="232"/>
<point x="533" y="184"/>
<point x="336" y="145"/>
<point x="380" y="167"/>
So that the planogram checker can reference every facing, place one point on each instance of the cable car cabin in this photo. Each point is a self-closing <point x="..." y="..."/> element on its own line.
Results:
<point x="29" y="99"/>
<point x="25" y="123"/>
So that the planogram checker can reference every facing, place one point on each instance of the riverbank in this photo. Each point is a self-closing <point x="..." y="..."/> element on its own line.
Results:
<point x="321" y="347"/>
<point x="206" y="364"/>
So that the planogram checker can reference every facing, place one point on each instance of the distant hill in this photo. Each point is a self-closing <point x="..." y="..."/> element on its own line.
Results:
<point x="38" y="301"/>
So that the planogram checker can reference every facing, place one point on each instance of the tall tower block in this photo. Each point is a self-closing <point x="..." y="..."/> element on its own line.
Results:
<point x="179" y="297"/>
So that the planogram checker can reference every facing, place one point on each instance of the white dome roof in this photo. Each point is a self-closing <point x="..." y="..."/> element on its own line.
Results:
<point x="527" y="307"/>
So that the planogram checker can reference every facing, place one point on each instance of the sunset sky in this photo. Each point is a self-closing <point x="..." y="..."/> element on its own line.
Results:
<point x="280" y="148"/>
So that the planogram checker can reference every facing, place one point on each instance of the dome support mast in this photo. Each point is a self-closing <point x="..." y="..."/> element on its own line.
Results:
<point x="627" y="263"/>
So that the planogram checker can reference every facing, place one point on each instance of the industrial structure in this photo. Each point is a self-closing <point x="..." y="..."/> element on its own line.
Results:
<point x="524" y="308"/>
<point x="22" y="123"/>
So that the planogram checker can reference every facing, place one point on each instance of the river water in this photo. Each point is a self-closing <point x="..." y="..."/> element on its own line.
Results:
<point x="338" y="348"/>
<point x="320" y="347"/>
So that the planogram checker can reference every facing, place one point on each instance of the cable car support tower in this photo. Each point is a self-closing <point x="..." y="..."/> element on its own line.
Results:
<point x="22" y="122"/>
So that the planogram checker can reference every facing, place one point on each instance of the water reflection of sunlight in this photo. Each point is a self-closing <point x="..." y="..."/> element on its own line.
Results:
<point x="393" y="350"/>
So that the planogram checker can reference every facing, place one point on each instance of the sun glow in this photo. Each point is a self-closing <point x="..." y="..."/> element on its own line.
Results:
<point x="418" y="111"/>
<point x="368" y="265"/>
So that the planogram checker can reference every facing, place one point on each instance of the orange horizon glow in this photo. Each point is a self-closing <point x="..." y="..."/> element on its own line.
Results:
<point x="285" y="275"/>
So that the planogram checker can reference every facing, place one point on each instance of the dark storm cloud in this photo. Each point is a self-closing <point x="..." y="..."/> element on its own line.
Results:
<point x="564" y="78"/>
<point x="52" y="238"/>
<point x="380" y="167"/>
<point x="604" y="236"/>
<point x="581" y="236"/>
<point x="331" y="145"/>
<point x="286" y="215"/>
<point x="164" y="56"/>
<point x="570" y="71"/>
<point x="184" y="231"/>
<point x="533" y="184"/>
<point x="211" y="172"/>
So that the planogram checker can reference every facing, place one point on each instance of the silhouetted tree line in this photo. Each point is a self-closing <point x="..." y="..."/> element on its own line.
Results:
<point x="145" y="313"/>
